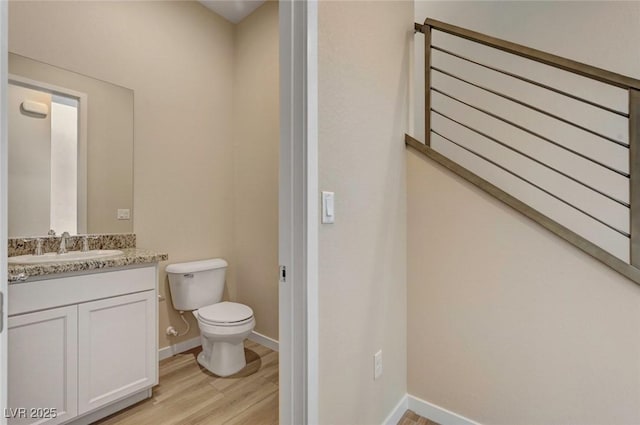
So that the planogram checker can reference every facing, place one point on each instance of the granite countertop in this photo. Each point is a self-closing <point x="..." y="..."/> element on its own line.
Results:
<point x="130" y="256"/>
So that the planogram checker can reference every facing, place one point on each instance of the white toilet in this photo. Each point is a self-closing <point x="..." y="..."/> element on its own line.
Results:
<point x="197" y="286"/>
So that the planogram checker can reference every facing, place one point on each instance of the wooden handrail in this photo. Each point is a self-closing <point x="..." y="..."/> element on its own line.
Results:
<point x="575" y="67"/>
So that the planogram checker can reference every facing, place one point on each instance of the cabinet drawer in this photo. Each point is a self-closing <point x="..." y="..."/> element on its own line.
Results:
<point x="43" y="294"/>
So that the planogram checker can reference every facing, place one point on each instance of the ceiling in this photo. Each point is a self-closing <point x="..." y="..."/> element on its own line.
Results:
<point x="233" y="10"/>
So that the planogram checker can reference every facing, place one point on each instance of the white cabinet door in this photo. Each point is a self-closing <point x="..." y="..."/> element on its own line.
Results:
<point x="116" y="357"/>
<point x="43" y="349"/>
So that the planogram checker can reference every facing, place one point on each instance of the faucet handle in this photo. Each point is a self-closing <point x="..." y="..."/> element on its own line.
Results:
<point x="38" y="250"/>
<point x="51" y="232"/>
<point x="85" y="242"/>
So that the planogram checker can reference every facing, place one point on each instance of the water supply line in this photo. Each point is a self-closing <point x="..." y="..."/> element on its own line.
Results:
<point x="171" y="331"/>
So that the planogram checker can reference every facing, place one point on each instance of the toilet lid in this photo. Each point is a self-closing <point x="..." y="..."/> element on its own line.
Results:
<point x="225" y="312"/>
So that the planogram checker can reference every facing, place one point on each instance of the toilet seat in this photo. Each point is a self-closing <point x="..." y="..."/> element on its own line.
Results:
<point x="225" y="314"/>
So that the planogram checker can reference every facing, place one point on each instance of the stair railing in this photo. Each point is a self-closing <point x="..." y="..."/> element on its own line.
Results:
<point x="578" y="179"/>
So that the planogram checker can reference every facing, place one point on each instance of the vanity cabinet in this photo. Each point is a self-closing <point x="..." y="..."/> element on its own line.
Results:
<point x="82" y="345"/>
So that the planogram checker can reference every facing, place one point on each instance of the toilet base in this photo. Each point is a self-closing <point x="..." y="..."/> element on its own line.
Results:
<point x="222" y="358"/>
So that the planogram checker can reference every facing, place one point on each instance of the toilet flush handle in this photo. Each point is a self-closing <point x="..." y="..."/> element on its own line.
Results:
<point x="189" y="275"/>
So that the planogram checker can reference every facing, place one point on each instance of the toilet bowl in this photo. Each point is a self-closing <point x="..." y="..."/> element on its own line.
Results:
<point x="223" y="328"/>
<point x="197" y="286"/>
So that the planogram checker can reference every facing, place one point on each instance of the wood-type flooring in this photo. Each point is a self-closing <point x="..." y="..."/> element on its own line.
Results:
<point x="188" y="394"/>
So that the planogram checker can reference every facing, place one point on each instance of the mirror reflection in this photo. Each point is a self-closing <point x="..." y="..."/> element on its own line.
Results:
<point x="70" y="152"/>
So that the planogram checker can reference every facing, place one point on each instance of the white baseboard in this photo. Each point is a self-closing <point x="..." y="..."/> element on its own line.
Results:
<point x="172" y="350"/>
<point x="427" y="410"/>
<point x="264" y="340"/>
<point x="436" y="413"/>
<point x="397" y="412"/>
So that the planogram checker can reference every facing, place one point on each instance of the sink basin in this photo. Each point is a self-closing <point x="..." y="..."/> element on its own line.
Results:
<point x="52" y="257"/>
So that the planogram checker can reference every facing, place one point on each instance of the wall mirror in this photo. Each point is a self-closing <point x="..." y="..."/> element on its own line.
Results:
<point x="70" y="152"/>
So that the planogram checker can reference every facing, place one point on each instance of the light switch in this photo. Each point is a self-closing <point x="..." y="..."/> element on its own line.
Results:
<point x="124" y="214"/>
<point x="328" y="208"/>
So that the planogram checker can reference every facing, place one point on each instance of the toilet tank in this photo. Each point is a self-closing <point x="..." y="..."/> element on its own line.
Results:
<point x="197" y="283"/>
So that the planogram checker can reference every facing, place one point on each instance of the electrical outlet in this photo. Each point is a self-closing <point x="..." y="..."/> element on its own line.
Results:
<point x="123" y="214"/>
<point x="377" y="365"/>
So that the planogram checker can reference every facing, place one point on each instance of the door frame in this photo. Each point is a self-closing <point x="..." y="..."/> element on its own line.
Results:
<point x="298" y="216"/>
<point x="4" y="59"/>
<point x="298" y="212"/>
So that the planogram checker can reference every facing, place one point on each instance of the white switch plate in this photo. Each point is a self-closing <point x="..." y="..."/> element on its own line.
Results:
<point x="124" y="214"/>
<point x="328" y="208"/>
<point x="377" y="365"/>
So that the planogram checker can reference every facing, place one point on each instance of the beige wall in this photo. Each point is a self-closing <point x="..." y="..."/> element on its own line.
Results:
<point x="363" y="59"/>
<point x="507" y="323"/>
<point x="178" y="59"/>
<point x="255" y="161"/>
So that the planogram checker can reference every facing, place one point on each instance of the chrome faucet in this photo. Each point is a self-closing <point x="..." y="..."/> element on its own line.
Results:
<point x="63" y="243"/>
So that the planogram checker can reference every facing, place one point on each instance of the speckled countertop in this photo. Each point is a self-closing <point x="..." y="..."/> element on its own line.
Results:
<point x="125" y="242"/>
<point x="130" y="256"/>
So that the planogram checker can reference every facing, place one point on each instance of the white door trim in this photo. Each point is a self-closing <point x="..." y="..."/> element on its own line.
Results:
<point x="298" y="246"/>
<point x="313" y="219"/>
<point x="4" y="59"/>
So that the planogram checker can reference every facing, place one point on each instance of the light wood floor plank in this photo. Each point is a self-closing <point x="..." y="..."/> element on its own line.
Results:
<point x="190" y="395"/>
<point x="411" y="418"/>
<point x="263" y="412"/>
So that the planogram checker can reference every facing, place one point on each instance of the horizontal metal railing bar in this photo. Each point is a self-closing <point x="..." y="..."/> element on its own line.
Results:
<point x="537" y="161"/>
<point x="533" y="133"/>
<point x="533" y="108"/>
<point x="572" y="66"/>
<point x="569" y="204"/>
<point x="558" y="229"/>
<point x="533" y="82"/>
